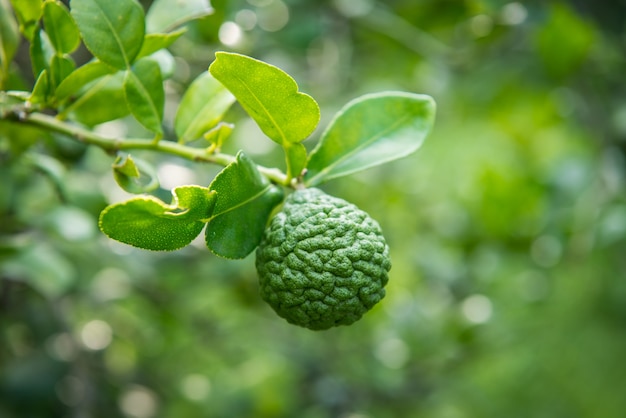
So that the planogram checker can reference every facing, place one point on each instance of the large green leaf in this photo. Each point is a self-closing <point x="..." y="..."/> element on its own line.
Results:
<point x="149" y="223"/>
<point x="371" y="130"/>
<point x="269" y="95"/>
<point x="201" y="108"/>
<point x="113" y="30"/>
<point x="245" y="200"/>
<point x="143" y="87"/>
<point x="60" y="27"/>
<point x="163" y="16"/>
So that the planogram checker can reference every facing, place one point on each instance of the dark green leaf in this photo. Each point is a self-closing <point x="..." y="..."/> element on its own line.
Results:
<point x="149" y="223"/>
<point x="201" y="108"/>
<point x="269" y="95"/>
<point x="28" y="13"/>
<point x="80" y="77"/>
<point x="60" y="27"/>
<point x="156" y="41"/>
<point x="371" y="130"/>
<point x="112" y="30"/>
<point x="162" y="17"/>
<point x="245" y="200"/>
<point x="134" y="175"/>
<point x="143" y="87"/>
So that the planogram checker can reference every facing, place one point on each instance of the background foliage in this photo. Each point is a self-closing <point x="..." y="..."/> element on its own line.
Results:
<point x="507" y="295"/>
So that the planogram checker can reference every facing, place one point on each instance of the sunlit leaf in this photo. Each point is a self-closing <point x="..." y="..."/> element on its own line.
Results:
<point x="112" y="30"/>
<point x="201" y="108"/>
<point x="269" y="95"/>
<point x="371" y="130"/>
<point x="149" y="223"/>
<point x="245" y="200"/>
<point x="143" y="87"/>
<point x="219" y="134"/>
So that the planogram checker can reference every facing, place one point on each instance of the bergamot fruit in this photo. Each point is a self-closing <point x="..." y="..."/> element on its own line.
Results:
<point x="322" y="261"/>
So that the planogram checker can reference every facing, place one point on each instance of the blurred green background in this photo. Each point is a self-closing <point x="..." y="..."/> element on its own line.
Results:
<point x="507" y="296"/>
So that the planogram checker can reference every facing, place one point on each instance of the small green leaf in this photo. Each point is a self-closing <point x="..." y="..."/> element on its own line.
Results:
<point x="245" y="200"/>
<point x="153" y="42"/>
<point x="112" y="30"/>
<point x="269" y="95"/>
<point x="28" y="13"/>
<point x="143" y="87"/>
<point x="80" y="77"/>
<point x="100" y="101"/>
<point x="41" y="90"/>
<point x="162" y="17"/>
<point x="219" y="134"/>
<point x="9" y="39"/>
<point x="60" y="27"/>
<point x="134" y="175"/>
<point x="41" y="52"/>
<point x="201" y="108"/>
<point x="149" y="223"/>
<point x="296" y="159"/>
<point x="371" y="130"/>
<point x="60" y="67"/>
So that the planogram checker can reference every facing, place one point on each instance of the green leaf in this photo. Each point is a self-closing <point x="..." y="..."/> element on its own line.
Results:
<point x="81" y="77"/>
<point x="41" y="52"/>
<point x="60" y="68"/>
<point x="112" y="30"/>
<point x="201" y="108"/>
<point x="60" y="27"/>
<point x="143" y="87"/>
<point x="153" y="42"/>
<point x="245" y="200"/>
<point x="100" y="101"/>
<point x="134" y="175"/>
<point x="296" y="159"/>
<point x="9" y="39"/>
<point x="28" y="13"/>
<point x="219" y="134"/>
<point x="149" y="223"/>
<point x="163" y="16"/>
<point x="41" y="90"/>
<point x="368" y="131"/>
<point x="269" y="95"/>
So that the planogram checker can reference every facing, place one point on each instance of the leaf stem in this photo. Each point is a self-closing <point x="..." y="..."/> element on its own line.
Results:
<point x="113" y="145"/>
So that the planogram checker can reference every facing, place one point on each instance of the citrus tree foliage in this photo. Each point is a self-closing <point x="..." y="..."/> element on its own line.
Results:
<point x="235" y="207"/>
<point x="506" y="231"/>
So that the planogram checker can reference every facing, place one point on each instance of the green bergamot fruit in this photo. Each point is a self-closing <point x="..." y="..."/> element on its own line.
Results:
<point x="322" y="261"/>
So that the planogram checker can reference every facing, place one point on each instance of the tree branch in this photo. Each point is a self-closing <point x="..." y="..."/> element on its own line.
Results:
<point x="113" y="145"/>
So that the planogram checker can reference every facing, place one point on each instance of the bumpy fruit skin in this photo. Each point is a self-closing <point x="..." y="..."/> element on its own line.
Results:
<point x="322" y="261"/>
